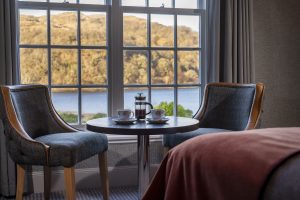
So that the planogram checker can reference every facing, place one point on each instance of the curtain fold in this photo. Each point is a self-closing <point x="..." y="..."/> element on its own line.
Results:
<point x="230" y="41"/>
<point x="8" y="65"/>
<point x="8" y="76"/>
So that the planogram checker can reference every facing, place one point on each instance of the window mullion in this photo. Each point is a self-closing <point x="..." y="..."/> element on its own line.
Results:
<point x="116" y="68"/>
<point x="48" y="48"/>
<point x="203" y="52"/>
<point x="149" y="31"/>
<point x="79" y="67"/>
<point x="175" y="67"/>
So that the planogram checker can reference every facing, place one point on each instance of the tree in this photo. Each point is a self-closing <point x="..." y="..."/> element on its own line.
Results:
<point x="169" y="108"/>
<point x="64" y="62"/>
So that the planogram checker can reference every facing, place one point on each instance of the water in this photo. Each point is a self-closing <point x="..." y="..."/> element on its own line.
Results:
<point x="93" y="102"/>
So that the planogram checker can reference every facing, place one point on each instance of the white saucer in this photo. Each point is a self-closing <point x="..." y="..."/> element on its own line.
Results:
<point x="157" y="121"/>
<point x="124" y="121"/>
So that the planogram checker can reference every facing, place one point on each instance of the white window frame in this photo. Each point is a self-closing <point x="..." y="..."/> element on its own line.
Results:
<point x="118" y="65"/>
<point x="78" y="8"/>
<point x="114" y="16"/>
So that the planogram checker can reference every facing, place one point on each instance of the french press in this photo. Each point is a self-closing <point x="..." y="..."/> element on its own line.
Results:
<point x="140" y="107"/>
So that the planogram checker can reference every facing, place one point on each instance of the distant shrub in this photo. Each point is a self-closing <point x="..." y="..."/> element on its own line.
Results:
<point x="71" y="117"/>
<point x="169" y="108"/>
<point x="68" y="117"/>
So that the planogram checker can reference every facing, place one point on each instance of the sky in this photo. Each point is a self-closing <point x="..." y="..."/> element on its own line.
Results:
<point x="189" y="21"/>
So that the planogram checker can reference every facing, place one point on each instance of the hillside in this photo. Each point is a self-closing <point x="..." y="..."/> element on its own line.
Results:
<point x="34" y="67"/>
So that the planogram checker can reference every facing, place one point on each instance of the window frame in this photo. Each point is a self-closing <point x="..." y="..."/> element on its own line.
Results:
<point x="78" y="8"/>
<point x="201" y="49"/>
<point x="114" y="46"/>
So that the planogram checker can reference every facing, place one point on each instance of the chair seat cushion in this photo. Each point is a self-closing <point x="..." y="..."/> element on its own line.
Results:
<point x="172" y="140"/>
<point x="66" y="149"/>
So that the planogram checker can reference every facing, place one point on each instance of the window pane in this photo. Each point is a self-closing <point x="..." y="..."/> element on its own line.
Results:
<point x="34" y="66"/>
<point x="188" y="106"/>
<point x="184" y="4"/>
<point x="135" y="30"/>
<point x="64" y="27"/>
<point x="162" y="30"/>
<point x="92" y="1"/>
<point x="94" y="103"/>
<point x="93" y="28"/>
<point x="188" y="31"/>
<point x="63" y="1"/>
<point x="160" y="3"/>
<point x="64" y="66"/>
<point x="162" y="70"/>
<point x="188" y="67"/>
<point x="33" y="27"/>
<point x="135" y="67"/>
<point x="163" y="98"/>
<point x="94" y="66"/>
<point x="134" y="2"/>
<point x="65" y="102"/>
<point x="130" y="93"/>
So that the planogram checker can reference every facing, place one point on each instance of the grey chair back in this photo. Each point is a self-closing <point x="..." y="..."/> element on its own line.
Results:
<point x="33" y="108"/>
<point x="230" y="106"/>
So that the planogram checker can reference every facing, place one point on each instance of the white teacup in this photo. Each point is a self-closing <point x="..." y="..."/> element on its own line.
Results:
<point x="125" y="114"/>
<point x="157" y="113"/>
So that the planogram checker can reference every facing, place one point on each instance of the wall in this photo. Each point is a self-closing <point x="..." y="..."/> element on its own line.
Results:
<point x="277" y="59"/>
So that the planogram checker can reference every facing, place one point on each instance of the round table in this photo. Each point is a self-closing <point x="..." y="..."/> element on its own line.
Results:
<point x="143" y="129"/>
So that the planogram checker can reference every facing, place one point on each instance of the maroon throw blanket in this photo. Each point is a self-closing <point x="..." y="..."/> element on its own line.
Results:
<point x="223" y="166"/>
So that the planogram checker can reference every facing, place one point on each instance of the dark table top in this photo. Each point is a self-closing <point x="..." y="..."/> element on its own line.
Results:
<point x="174" y="125"/>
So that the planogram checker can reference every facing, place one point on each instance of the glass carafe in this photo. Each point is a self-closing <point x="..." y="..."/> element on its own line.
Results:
<point x="140" y="107"/>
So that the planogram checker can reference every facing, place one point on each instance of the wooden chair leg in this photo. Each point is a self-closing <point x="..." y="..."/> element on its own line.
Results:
<point x="104" y="175"/>
<point x="47" y="182"/>
<point x="69" y="183"/>
<point x="20" y="181"/>
<point x="166" y="150"/>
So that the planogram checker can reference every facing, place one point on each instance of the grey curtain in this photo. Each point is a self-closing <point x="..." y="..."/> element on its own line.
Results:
<point x="8" y="75"/>
<point x="230" y="41"/>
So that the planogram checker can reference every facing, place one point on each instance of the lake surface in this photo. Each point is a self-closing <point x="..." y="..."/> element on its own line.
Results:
<point x="96" y="102"/>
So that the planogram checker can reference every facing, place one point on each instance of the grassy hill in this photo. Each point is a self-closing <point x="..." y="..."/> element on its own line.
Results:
<point x="34" y="67"/>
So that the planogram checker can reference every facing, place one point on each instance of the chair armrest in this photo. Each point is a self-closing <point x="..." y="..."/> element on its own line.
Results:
<point x="256" y="110"/>
<point x="22" y="149"/>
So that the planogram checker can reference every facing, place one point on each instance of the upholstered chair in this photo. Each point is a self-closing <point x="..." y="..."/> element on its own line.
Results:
<point x="225" y="107"/>
<point x="36" y="135"/>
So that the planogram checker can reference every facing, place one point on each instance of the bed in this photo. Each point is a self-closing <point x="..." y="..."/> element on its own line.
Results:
<point x="248" y="165"/>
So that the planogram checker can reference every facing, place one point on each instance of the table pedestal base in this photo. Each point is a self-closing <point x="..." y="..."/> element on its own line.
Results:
<point x="143" y="130"/>
<point x="143" y="164"/>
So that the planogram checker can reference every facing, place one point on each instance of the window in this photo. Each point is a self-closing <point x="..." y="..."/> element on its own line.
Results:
<point x="64" y="44"/>
<point x="96" y="55"/>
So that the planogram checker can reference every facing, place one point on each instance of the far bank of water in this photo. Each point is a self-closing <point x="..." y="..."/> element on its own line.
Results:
<point x="93" y="102"/>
